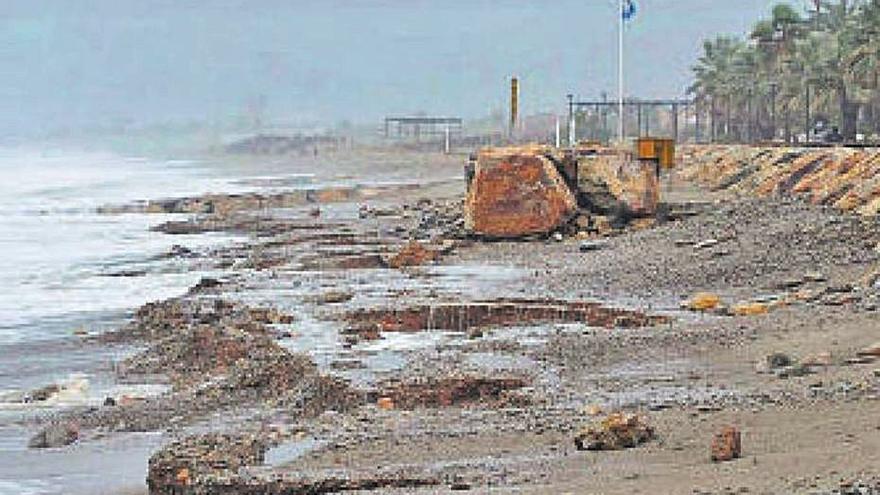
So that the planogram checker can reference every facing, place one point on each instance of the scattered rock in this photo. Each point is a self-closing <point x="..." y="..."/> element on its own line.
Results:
<point x="779" y="360"/>
<point x="872" y="350"/>
<point x="750" y="309"/>
<point x="617" y="431"/>
<point x="727" y="445"/>
<point x="587" y="246"/>
<point x="820" y="359"/>
<point x="206" y="283"/>
<point x="703" y="301"/>
<point x="413" y="254"/>
<point x="178" y="251"/>
<point x="706" y="244"/>
<point x="55" y="435"/>
<point x="43" y="393"/>
<point x="449" y="391"/>
<point x="334" y="297"/>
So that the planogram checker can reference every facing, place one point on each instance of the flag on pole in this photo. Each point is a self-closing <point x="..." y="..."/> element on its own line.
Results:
<point x="628" y="10"/>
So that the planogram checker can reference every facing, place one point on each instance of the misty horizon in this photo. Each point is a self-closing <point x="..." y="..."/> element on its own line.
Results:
<point x="74" y="65"/>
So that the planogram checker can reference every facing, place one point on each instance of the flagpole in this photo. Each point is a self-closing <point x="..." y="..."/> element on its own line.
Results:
<point x="620" y="73"/>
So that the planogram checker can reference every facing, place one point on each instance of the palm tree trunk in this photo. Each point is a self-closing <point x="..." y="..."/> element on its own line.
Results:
<point x="849" y="113"/>
<point x="727" y="120"/>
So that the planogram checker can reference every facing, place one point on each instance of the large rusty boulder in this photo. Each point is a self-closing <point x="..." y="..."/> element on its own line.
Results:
<point x="609" y="181"/>
<point x="515" y="194"/>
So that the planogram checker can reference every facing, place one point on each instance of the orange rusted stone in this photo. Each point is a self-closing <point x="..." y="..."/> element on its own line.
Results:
<point x="183" y="477"/>
<point x="727" y="445"/>
<point x="385" y="403"/>
<point x="413" y="254"/>
<point x="517" y="195"/>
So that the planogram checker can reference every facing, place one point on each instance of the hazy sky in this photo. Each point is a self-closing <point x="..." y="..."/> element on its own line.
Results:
<point x="80" y="62"/>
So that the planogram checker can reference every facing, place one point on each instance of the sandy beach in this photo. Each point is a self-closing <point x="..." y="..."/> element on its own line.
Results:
<point x="358" y="340"/>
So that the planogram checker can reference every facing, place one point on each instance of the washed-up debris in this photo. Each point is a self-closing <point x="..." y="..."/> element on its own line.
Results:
<point x="726" y="445"/>
<point x="587" y="246"/>
<point x="233" y="464"/>
<point x="175" y="467"/>
<point x="785" y="366"/>
<point x="412" y="254"/>
<point x="872" y="351"/>
<point x="750" y="309"/>
<point x="58" y="434"/>
<point x="703" y="301"/>
<point x="615" y="432"/>
<point x="706" y="243"/>
<point x="449" y="391"/>
<point x="43" y="393"/>
<point x="334" y="297"/>
<point x="222" y="205"/>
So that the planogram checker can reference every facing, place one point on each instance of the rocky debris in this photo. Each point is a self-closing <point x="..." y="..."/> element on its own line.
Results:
<point x="750" y="309"/>
<point x="42" y="393"/>
<point x="615" y="432"/>
<point x="726" y="445"/>
<point x="707" y="243"/>
<point x="185" y="463"/>
<point x="221" y="206"/>
<point x="412" y="254"/>
<point x="587" y="246"/>
<point x="516" y="194"/>
<point x="57" y="434"/>
<point x="446" y="392"/>
<point x="216" y="355"/>
<point x="344" y="262"/>
<point x="779" y="360"/>
<point x="205" y="284"/>
<point x="438" y="219"/>
<point x="871" y="351"/>
<point x="159" y="320"/>
<point x="334" y="297"/>
<point x="785" y="366"/>
<point x="226" y="464"/>
<point x="464" y="317"/>
<point x="125" y="273"/>
<point x="178" y="251"/>
<point x="703" y="301"/>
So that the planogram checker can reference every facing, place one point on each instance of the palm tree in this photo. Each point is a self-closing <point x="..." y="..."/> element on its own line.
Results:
<point x="713" y="77"/>
<point x="827" y="63"/>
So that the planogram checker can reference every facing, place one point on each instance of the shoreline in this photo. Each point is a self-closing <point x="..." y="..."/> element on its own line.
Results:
<point x="497" y="403"/>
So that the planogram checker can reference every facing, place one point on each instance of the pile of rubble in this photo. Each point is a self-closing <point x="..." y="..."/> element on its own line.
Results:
<point x="216" y="355"/>
<point x="614" y="432"/>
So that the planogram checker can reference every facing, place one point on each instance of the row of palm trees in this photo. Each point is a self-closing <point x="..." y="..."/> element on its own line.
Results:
<point x="798" y="75"/>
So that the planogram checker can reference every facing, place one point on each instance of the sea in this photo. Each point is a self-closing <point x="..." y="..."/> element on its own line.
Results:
<point x="58" y="258"/>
